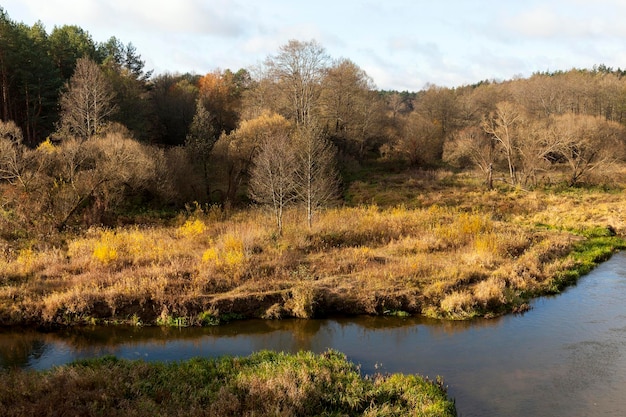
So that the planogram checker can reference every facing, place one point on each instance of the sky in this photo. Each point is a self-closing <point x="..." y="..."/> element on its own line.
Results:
<point x="401" y="44"/>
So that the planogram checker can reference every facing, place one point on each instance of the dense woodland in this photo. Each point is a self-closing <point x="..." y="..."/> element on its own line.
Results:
<point x="88" y="133"/>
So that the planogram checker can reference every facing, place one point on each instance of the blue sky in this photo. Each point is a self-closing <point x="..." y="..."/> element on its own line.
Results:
<point x="401" y="44"/>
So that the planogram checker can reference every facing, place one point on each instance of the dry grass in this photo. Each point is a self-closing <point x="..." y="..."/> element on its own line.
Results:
<point x="460" y="252"/>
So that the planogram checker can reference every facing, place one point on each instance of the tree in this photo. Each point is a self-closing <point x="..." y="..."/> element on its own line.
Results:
<point x="29" y="80"/>
<point x="200" y="141"/>
<point x="67" y="45"/>
<point x="316" y="173"/>
<point x="238" y="149"/>
<point x="124" y="71"/>
<point x="440" y="106"/>
<point x="350" y="108"/>
<point x="297" y="72"/>
<point x="272" y="176"/>
<point x="87" y="103"/>
<point x="221" y="93"/>
<point x="13" y="164"/>
<point x="173" y="103"/>
<point x="474" y="143"/>
<point x="503" y="124"/>
<point x="95" y="175"/>
<point x="536" y="149"/>
<point x="420" y="142"/>
<point x="587" y="143"/>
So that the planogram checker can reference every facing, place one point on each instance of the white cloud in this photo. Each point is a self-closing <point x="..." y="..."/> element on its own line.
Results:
<point x="401" y="44"/>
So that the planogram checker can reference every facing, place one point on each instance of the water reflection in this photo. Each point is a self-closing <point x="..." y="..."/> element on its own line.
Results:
<point x="567" y="356"/>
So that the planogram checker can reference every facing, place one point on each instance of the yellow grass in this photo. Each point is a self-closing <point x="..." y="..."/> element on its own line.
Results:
<point x="455" y="255"/>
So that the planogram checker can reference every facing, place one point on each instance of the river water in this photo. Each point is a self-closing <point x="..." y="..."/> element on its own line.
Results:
<point x="565" y="357"/>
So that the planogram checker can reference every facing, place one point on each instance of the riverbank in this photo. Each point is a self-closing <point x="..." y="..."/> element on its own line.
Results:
<point x="448" y="249"/>
<point x="262" y="384"/>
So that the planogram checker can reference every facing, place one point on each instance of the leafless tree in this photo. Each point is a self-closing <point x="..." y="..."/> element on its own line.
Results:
<point x="503" y="124"/>
<point x="272" y="176"/>
<point x="316" y="173"/>
<point x="87" y="102"/>
<point x="297" y="72"/>
<point x="587" y="143"/>
<point x="420" y="142"/>
<point x="473" y="143"/>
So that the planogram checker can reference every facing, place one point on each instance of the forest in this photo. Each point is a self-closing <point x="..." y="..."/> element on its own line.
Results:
<point x="129" y="195"/>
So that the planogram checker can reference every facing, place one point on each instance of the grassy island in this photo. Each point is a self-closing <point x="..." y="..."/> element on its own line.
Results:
<point x="263" y="384"/>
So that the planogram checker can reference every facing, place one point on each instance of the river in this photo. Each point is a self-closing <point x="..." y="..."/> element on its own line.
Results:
<point x="564" y="357"/>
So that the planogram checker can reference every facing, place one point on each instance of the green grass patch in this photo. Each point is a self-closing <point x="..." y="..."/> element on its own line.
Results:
<point x="262" y="384"/>
<point x="586" y="256"/>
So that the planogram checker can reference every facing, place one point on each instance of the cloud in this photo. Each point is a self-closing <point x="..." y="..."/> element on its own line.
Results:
<point x="217" y="18"/>
<point x="562" y="21"/>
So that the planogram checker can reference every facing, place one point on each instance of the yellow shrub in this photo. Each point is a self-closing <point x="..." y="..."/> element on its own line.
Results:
<point x="25" y="260"/>
<point x="210" y="255"/>
<point x="105" y="250"/>
<point x="47" y="147"/>
<point x="486" y="244"/>
<point x="192" y="228"/>
<point x="234" y="259"/>
<point x="229" y="254"/>
<point x="473" y="224"/>
<point x="233" y="244"/>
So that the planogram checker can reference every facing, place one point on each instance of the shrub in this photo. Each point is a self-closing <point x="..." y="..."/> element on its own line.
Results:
<point x="192" y="228"/>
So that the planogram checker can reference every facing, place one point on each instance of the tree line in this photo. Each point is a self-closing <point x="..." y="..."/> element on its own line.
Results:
<point x="85" y="129"/>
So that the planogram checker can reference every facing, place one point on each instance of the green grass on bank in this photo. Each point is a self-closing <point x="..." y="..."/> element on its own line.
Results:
<point x="263" y="384"/>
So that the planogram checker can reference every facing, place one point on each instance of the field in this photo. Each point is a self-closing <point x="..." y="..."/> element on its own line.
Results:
<point x="413" y="242"/>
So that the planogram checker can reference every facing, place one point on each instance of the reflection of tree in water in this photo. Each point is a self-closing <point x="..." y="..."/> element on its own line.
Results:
<point x="18" y="349"/>
<point x="293" y="335"/>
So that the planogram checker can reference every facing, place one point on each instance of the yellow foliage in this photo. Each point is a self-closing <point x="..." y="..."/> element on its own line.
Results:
<point x="105" y="250"/>
<point x="233" y="259"/>
<point x="25" y="260"/>
<point x="229" y="254"/>
<point x="47" y="147"/>
<point x="486" y="244"/>
<point x="210" y="255"/>
<point x="192" y="228"/>
<point x="233" y="244"/>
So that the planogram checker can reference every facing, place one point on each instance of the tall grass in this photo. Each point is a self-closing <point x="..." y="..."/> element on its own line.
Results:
<point x="458" y="256"/>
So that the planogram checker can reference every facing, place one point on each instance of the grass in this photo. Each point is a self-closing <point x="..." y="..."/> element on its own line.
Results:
<point x="453" y="250"/>
<point x="263" y="384"/>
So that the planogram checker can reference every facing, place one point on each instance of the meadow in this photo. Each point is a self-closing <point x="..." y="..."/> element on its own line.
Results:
<point x="415" y="242"/>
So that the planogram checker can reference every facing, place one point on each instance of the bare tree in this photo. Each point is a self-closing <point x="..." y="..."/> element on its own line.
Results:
<point x="19" y="165"/>
<point x="473" y="143"/>
<point x="272" y="177"/>
<point x="420" y="142"/>
<point x="502" y="125"/>
<point x="12" y="166"/>
<point x="95" y="175"/>
<point x="316" y="174"/>
<point x="297" y="72"/>
<point x="587" y="143"/>
<point x="350" y="108"/>
<point x="87" y="102"/>
<point x="537" y="149"/>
